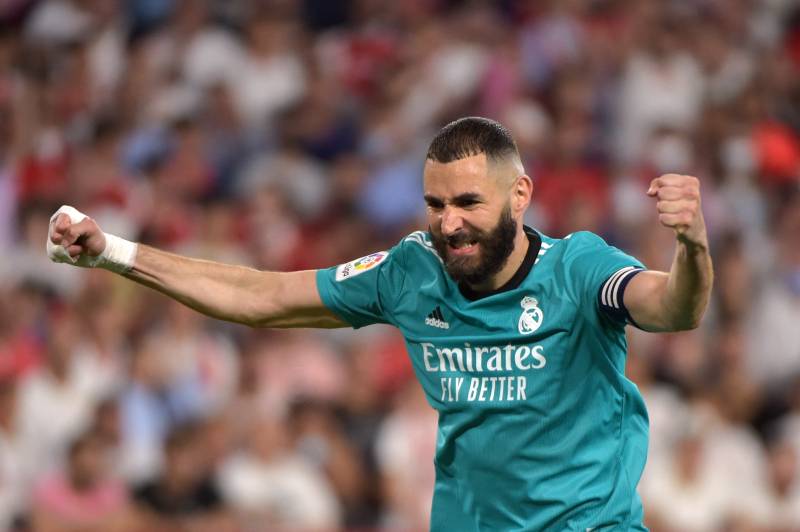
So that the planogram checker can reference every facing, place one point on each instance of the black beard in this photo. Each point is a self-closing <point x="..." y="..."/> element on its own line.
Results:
<point x="495" y="246"/>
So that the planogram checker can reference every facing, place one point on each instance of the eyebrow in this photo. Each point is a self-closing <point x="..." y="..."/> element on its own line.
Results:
<point x="467" y="197"/>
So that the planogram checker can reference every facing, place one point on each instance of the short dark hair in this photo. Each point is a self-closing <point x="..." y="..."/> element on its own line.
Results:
<point x="470" y="136"/>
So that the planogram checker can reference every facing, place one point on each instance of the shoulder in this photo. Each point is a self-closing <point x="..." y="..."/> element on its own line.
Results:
<point x="583" y="240"/>
<point x="571" y="245"/>
<point x="417" y="248"/>
<point x="414" y="252"/>
<point x="574" y="246"/>
<point x="411" y="249"/>
<point x="418" y="242"/>
<point x="584" y="255"/>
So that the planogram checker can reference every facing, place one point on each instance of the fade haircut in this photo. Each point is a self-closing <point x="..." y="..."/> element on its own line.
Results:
<point x="470" y="136"/>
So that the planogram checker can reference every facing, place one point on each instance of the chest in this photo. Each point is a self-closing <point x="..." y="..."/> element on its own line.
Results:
<point x="438" y="312"/>
<point x="499" y="350"/>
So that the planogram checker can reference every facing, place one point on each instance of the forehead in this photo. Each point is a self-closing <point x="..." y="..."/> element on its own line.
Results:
<point x="470" y="174"/>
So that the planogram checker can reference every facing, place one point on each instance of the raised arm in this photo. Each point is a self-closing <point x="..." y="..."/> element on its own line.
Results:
<point x="232" y="293"/>
<point x="675" y="301"/>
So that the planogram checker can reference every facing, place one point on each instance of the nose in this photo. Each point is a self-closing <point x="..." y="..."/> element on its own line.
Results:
<point x="452" y="222"/>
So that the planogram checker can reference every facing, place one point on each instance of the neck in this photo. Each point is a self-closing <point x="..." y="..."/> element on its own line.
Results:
<point x="511" y="266"/>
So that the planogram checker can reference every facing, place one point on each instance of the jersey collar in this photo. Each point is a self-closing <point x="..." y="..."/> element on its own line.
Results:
<point x="519" y="276"/>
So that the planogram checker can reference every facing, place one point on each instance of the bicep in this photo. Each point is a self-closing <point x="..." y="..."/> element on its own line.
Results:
<point x="295" y="303"/>
<point x="644" y="299"/>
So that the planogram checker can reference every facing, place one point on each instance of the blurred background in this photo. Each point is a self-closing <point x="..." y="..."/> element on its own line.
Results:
<point x="291" y="134"/>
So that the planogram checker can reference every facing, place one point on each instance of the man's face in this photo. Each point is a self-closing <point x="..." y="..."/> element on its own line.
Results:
<point x="470" y="218"/>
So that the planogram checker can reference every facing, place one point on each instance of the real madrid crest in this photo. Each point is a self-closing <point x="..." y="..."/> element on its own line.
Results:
<point x="531" y="317"/>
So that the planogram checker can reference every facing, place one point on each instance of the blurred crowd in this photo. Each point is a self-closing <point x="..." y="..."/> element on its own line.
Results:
<point x="291" y="134"/>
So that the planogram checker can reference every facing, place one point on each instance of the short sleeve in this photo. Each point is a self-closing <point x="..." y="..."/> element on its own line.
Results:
<point x="363" y="291"/>
<point x="601" y="273"/>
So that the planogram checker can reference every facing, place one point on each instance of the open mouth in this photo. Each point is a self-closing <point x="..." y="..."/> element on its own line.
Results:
<point x="463" y="248"/>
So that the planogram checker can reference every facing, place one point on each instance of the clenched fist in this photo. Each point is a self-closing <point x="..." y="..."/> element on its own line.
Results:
<point x="76" y="239"/>
<point x="76" y="235"/>
<point x="679" y="206"/>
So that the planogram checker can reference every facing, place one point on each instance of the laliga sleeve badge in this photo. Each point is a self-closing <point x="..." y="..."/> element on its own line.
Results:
<point x="359" y="266"/>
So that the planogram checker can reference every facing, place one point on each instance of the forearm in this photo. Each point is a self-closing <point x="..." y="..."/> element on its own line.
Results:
<point x="233" y="293"/>
<point x="673" y="301"/>
<point x="688" y="288"/>
<point x="217" y="290"/>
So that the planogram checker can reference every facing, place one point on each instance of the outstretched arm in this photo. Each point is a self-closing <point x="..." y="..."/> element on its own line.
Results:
<point x="232" y="293"/>
<point x="235" y="293"/>
<point x="675" y="301"/>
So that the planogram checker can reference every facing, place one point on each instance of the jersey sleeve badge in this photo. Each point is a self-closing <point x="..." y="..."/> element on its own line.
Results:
<point x="359" y="266"/>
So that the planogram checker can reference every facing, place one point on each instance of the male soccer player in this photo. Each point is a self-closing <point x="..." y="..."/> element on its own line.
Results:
<point x="517" y="338"/>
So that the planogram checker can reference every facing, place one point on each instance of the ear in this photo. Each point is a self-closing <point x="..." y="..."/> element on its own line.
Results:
<point x="521" y="194"/>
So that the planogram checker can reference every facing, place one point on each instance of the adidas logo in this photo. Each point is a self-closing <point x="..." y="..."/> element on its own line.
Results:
<point x="436" y="319"/>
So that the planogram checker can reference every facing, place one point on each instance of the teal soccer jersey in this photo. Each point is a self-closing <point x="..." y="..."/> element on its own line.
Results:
<point x="539" y="430"/>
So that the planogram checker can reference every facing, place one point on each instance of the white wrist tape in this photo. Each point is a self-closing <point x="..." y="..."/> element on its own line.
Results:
<point x="118" y="256"/>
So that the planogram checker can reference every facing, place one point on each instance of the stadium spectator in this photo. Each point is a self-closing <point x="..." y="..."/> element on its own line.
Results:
<point x="405" y="443"/>
<point x="320" y="438"/>
<point x="13" y="488"/>
<point x="55" y="402"/>
<point x="272" y="485"/>
<point x="84" y="496"/>
<point x="185" y="495"/>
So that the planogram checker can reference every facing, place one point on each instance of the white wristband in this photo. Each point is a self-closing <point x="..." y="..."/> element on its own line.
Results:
<point x="118" y="256"/>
